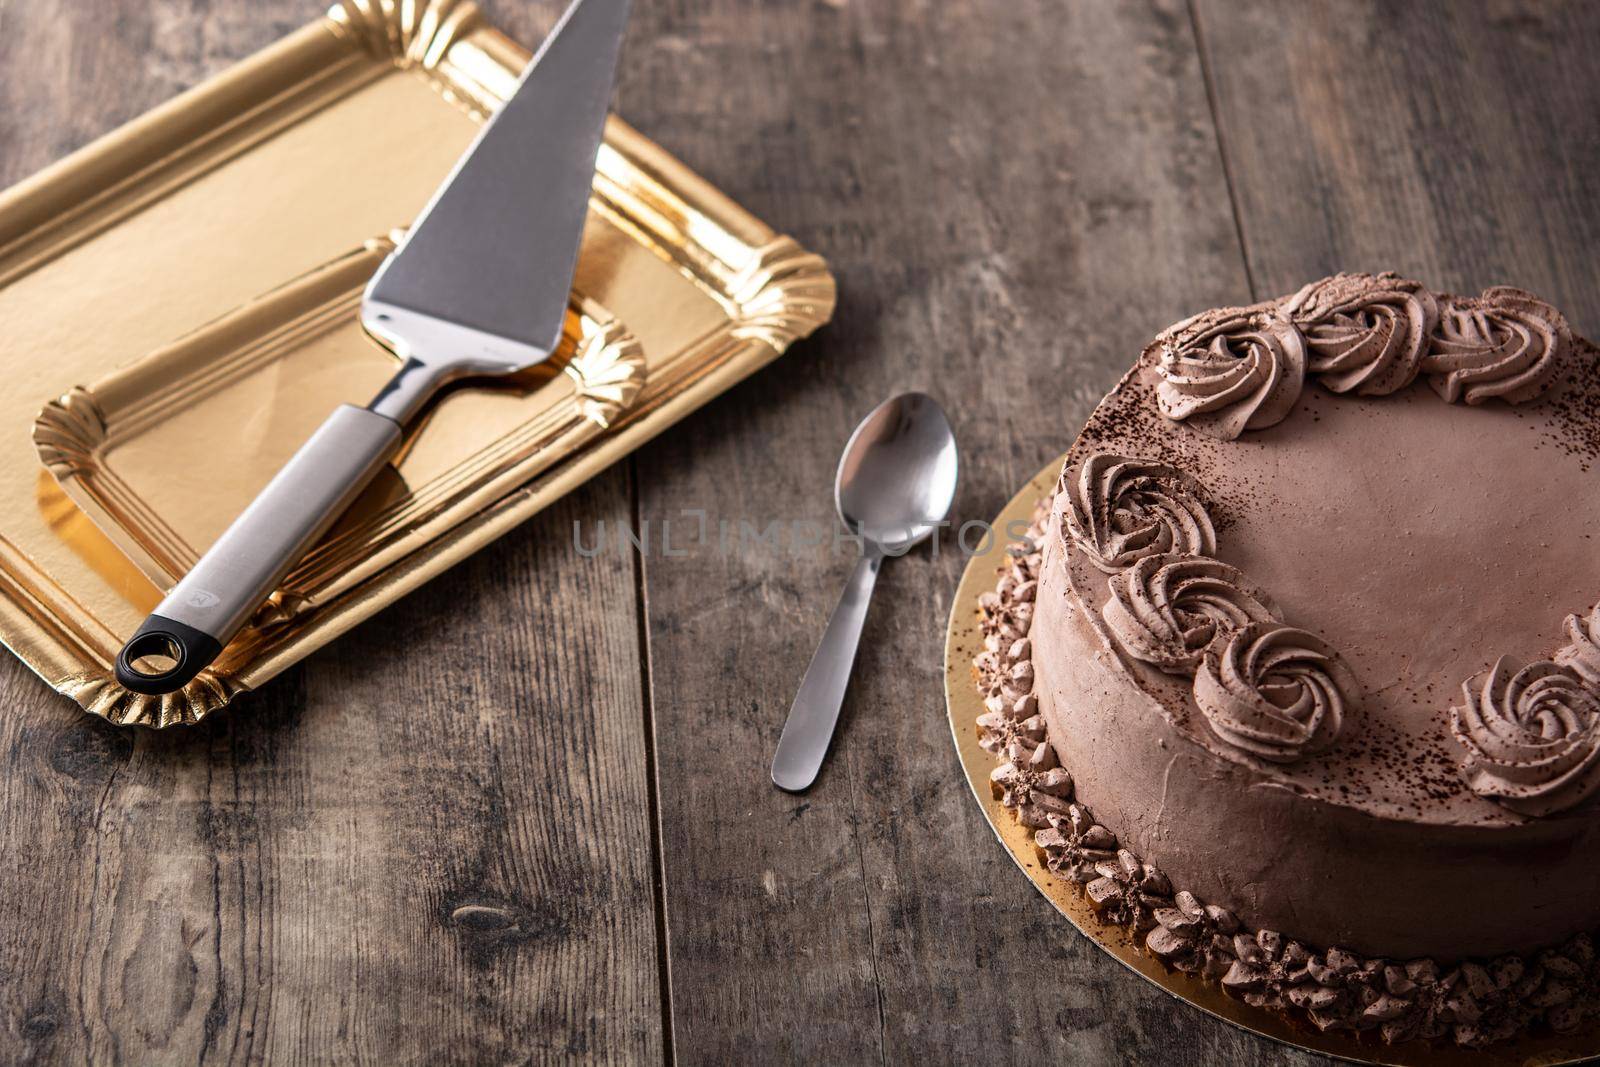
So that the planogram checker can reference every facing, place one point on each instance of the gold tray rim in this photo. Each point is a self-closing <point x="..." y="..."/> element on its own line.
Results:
<point x="963" y="642"/>
<point x="775" y="292"/>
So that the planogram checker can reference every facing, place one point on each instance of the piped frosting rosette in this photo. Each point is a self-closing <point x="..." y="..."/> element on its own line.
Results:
<point x="1364" y="333"/>
<point x="1169" y="611"/>
<point x="1531" y="735"/>
<point x="1122" y="510"/>
<point x="1506" y="343"/>
<point x="1276" y="692"/>
<point x="1243" y="368"/>
<point x="1582" y="652"/>
<point x="1268" y="689"/>
<point x="1231" y="370"/>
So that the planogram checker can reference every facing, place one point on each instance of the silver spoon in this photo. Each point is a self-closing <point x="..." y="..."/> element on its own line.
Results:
<point x="896" y="481"/>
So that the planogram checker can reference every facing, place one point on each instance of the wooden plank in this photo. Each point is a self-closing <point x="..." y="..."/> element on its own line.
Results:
<point x="429" y="843"/>
<point x="1453" y="142"/>
<point x="432" y="837"/>
<point x="1014" y="199"/>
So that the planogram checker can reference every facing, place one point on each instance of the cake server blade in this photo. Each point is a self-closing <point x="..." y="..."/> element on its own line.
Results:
<point x="487" y="267"/>
<point x="479" y="286"/>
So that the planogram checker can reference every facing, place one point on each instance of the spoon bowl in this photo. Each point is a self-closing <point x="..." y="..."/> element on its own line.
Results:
<point x="897" y="477"/>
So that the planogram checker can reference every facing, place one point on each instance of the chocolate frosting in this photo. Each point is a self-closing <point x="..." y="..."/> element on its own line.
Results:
<point x="1506" y="343"/>
<point x="1171" y="611"/>
<point x="1231" y="370"/>
<point x="1474" y="1003"/>
<point x="1340" y="799"/>
<point x="1122" y="510"/>
<point x="1235" y="369"/>
<point x="1364" y="333"/>
<point x="1532" y="736"/>
<point x="1275" y="691"/>
<point x="1422" y="541"/>
<point x="1582" y="652"/>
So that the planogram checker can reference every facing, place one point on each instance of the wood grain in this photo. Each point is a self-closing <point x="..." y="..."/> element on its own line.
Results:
<point x="558" y="840"/>
<point x="1458" y="143"/>
<point x="1012" y="204"/>
<point x="429" y="843"/>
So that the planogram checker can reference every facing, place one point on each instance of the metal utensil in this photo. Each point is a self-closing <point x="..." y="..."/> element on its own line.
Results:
<point x="479" y="286"/>
<point x="896" y="481"/>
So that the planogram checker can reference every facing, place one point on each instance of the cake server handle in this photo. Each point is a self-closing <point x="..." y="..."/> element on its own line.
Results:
<point x="809" y="730"/>
<point x="202" y="613"/>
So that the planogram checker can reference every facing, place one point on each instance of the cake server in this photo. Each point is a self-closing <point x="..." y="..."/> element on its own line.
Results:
<point x="479" y="286"/>
<point x="896" y="482"/>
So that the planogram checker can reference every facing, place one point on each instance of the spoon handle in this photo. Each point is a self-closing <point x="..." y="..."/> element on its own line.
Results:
<point x="816" y="707"/>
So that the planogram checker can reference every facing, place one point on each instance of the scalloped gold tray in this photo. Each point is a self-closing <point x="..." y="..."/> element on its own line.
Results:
<point x="213" y="400"/>
<point x="963" y="643"/>
<point x="188" y="286"/>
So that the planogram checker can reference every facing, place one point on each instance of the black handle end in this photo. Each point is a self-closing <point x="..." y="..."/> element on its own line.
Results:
<point x="142" y="664"/>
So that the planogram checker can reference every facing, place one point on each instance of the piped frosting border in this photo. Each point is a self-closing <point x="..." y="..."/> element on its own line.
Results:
<point x="1267" y="689"/>
<point x="1229" y="370"/>
<point x="1474" y="1004"/>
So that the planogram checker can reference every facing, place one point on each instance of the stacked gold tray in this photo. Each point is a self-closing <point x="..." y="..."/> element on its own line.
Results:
<point x="187" y="290"/>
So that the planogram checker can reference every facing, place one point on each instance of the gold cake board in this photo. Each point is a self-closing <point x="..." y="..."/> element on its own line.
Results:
<point x="963" y="642"/>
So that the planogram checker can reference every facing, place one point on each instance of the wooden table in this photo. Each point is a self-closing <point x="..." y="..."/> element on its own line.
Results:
<point x="556" y="837"/>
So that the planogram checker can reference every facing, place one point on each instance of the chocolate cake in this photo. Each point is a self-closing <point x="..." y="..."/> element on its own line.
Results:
<point x="1299" y="673"/>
